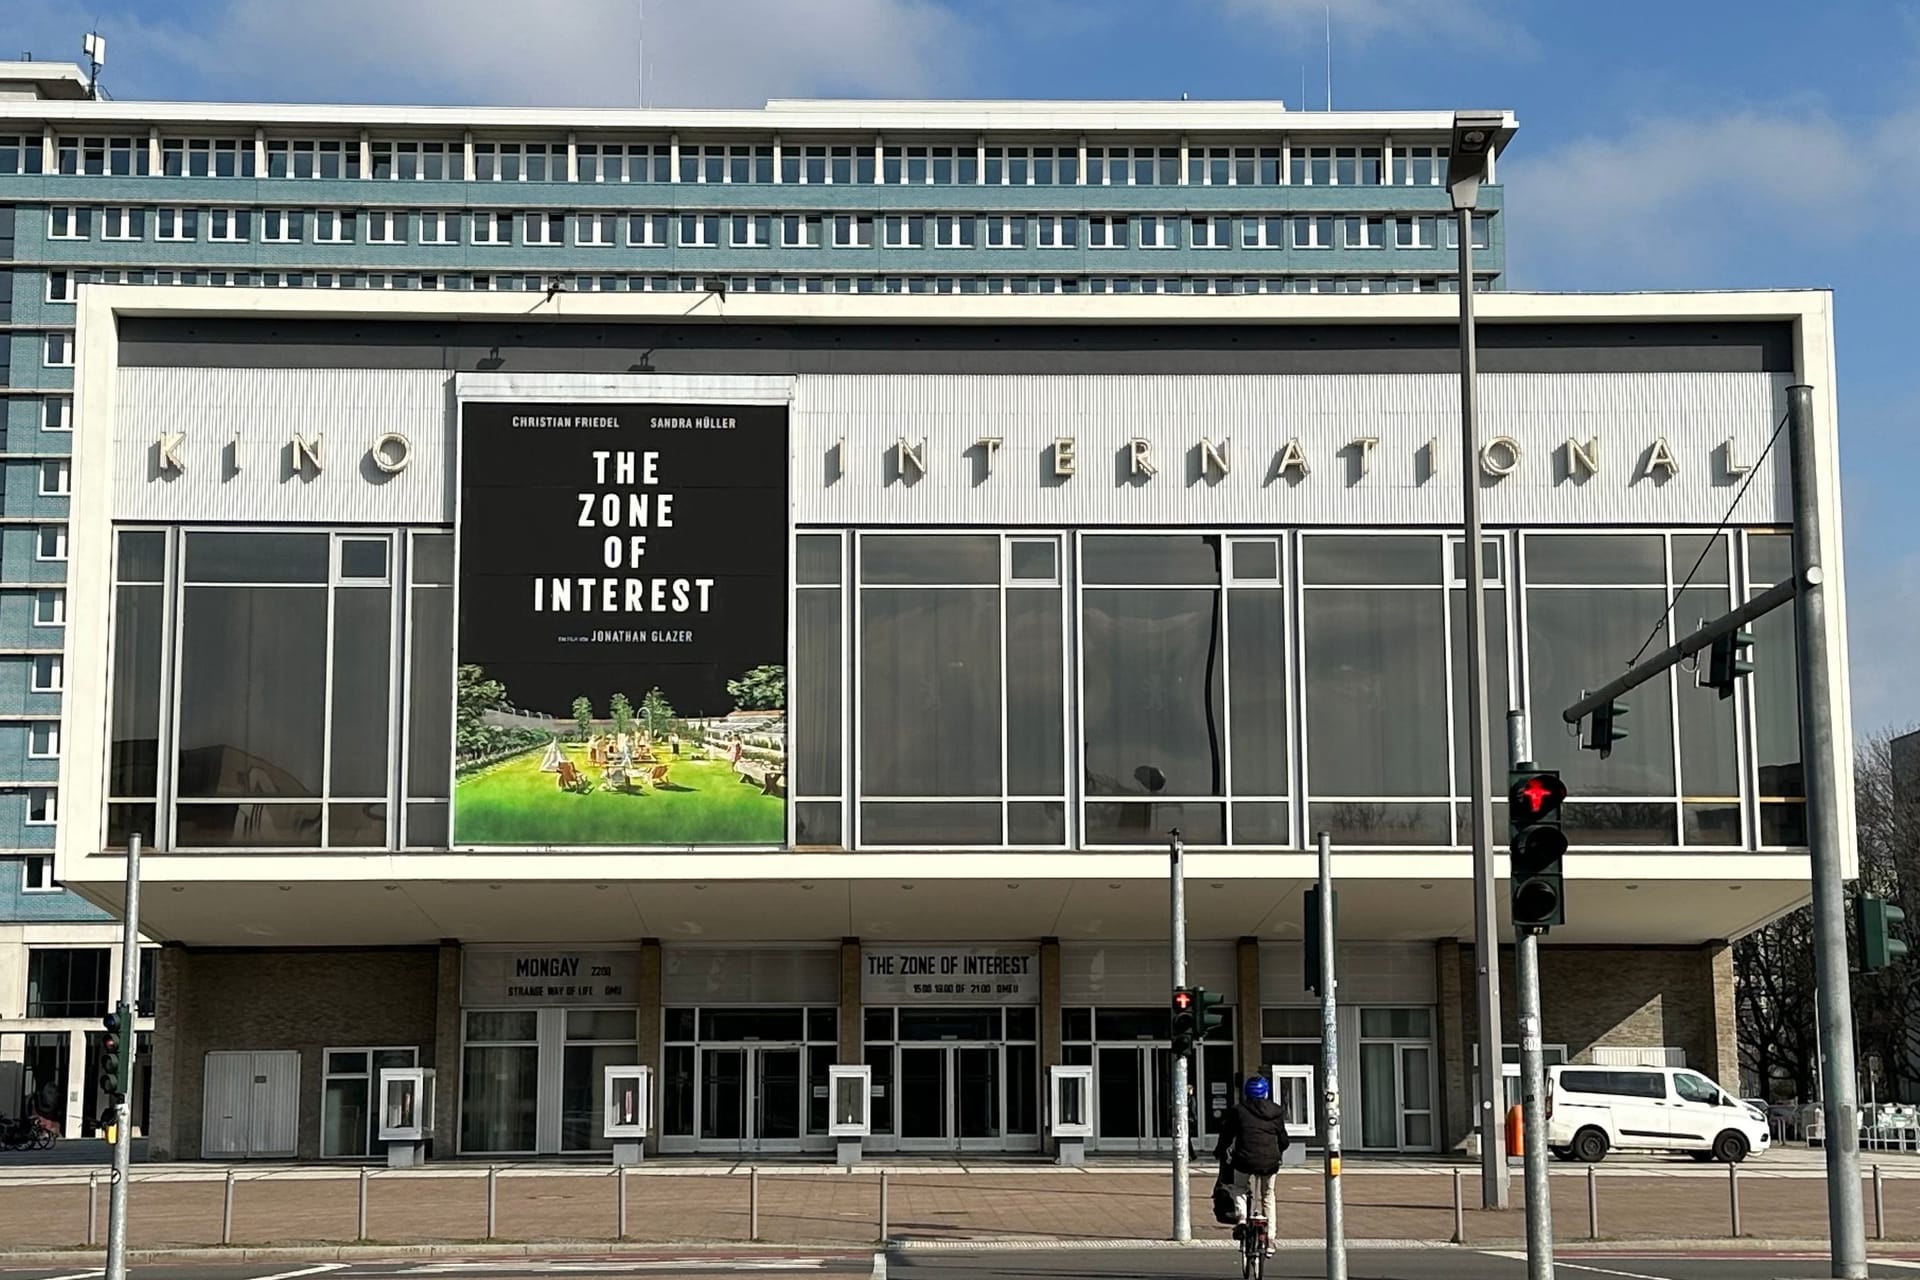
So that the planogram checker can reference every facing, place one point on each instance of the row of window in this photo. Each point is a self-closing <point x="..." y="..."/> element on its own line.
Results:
<point x="1247" y="688"/>
<point x="59" y="347"/>
<point x="74" y="982"/>
<point x="814" y="164"/>
<point x="763" y="230"/>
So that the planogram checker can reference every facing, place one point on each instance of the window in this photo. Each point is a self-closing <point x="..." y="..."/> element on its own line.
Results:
<point x="59" y="350"/>
<point x="1693" y="1088"/>
<point x="493" y="228"/>
<point x="798" y="231"/>
<point x="207" y="157"/>
<point x="1411" y="232"/>
<point x="647" y="230"/>
<point x="386" y="226"/>
<point x="1480" y="231"/>
<point x="851" y="232"/>
<point x="67" y="222"/>
<point x="1056" y="232"/>
<point x="701" y="230"/>
<point x="1159" y="233"/>
<point x="1312" y="233"/>
<point x="1363" y="233"/>
<point x="545" y="228"/>
<point x="311" y="159"/>
<point x="52" y="543"/>
<point x="1420" y="166"/>
<point x="56" y="478"/>
<point x="67" y="982"/>
<point x="37" y="874"/>
<point x="97" y="157"/>
<point x="972" y="754"/>
<point x="1006" y="231"/>
<point x="282" y="226"/>
<point x="42" y="806"/>
<point x="418" y="161"/>
<point x="50" y="607"/>
<point x="61" y="287"/>
<point x="333" y="226"/>
<point x="1211" y="233"/>
<point x="43" y="740"/>
<point x="20" y="154"/>
<point x="49" y="673"/>
<point x="597" y="229"/>
<point x="1107" y="232"/>
<point x="177" y="224"/>
<point x="123" y="224"/>
<point x="908" y="232"/>
<point x="349" y="1117"/>
<point x="439" y="228"/>
<point x="229" y="224"/>
<point x="750" y="231"/>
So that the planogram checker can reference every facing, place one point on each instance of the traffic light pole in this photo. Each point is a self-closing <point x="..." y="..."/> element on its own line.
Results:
<point x="1846" y="1217"/>
<point x="129" y="1050"/>
<point x="1533" y="1071"/>
<point x="1330" y="1069"/>
<point x="1182" y="1190"/>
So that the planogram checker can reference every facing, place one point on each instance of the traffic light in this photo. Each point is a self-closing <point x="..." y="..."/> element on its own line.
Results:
<point x="1537" y="845"/>
<point x="1208" y="1014"/>
<point x="110" y="1059"/>
<point x="1311" y="946"/>
<point x="1606" y="728"/>
<point x="1730" y="659"/>
<point x="1183" y="1021"/>
<point x="1877" y="920"/>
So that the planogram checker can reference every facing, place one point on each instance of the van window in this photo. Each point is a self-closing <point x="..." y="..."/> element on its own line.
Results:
<point x="1626" y="1084"/>
<point x="1692" y="1088"/>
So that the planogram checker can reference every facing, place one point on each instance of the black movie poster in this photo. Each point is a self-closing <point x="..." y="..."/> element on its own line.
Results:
<point x="621" y="656"/>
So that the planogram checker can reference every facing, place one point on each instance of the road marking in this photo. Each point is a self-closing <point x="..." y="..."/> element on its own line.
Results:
<point x="880" y="1265"/>
<point x="1899" y="1264"/>
<point x="309" y="1271"/>
<point x="1518" y="1256"/>
<point x="80" y="1275"/>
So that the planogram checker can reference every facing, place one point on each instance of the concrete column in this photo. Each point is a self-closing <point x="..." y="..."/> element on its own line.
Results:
<point x="1247" y="1010"/>
<point x="1722" y="1061"/>
<point x="852" y="1012"/>
<point x="77" y="1076"/>
<point x="446" y="1051"/>
<point x="1456" y="1103"/>
<point x="651" y="1026"/>
<point x="1050" y="1055"/>
<point x="169" y="1015"/>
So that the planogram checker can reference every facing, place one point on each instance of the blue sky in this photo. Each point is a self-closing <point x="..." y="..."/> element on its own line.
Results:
<point x="1689" y="144"/>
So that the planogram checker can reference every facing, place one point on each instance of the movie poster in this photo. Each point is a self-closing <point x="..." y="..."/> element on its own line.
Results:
<point x="620" y="669"/>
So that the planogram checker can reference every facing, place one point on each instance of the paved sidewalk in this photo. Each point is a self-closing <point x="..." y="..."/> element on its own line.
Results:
<point x="450" y="1203"/>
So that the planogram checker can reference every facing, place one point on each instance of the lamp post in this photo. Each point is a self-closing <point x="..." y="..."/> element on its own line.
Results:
<point x="1469" y="162"/>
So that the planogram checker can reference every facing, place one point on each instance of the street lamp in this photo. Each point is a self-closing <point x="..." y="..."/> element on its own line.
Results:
<point x="1469" y="162"/>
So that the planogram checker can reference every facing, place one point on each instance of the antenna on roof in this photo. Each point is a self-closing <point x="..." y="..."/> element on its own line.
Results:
<point x="1329" y="55"/>
<point x="643" y="53"/>
<point x="94" y="45"/>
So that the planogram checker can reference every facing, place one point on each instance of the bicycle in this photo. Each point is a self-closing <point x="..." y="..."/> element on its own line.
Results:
<point x="1252" y="1231"/>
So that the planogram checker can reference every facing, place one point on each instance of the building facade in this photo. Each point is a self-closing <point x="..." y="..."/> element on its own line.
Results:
<point x="1040" y="583"/>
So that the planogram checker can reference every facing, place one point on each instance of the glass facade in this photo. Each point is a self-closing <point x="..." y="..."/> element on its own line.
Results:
<point x="994" y="689"/>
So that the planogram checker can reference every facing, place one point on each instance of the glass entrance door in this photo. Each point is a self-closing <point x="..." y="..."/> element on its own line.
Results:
<point x="750" y="1098"/>
<point x="1132" y="1086"/>
<point x="1396" y="1096"/>
<point x="951" y="1098"/>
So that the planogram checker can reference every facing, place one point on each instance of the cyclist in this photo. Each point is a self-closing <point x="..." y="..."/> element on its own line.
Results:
<point x="1252" y="1136"/>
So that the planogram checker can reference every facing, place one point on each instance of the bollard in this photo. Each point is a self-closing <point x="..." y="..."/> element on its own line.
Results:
<point x="493" y="1175"/>
<point x="1593" y="1204"/>
<point x="883" y="1205"/>
<point x="360" y="1218"/>
<point x="1459" y="1212"/>
<point x="1879" y="1207"/>
<point x="620" y="1200"/>
<point x="93" y="1204"/>
<point x="753" y="1203"/>
<point x="226" y="1211"/>
<point x="1733" y="1196"/>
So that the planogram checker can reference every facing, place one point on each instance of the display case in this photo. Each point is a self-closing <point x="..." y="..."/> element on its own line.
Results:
<point x="850" y="1097"/>
<point x="406" y="1113"/>
<point x="629" y="1097"/>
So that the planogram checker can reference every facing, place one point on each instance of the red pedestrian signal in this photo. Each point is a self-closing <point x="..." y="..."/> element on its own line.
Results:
<point x="1538" y="795"/>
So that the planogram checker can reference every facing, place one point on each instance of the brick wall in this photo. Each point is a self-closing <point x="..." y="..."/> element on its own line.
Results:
<point x="1638" y="997"/>
<point x="304" y="1000"/>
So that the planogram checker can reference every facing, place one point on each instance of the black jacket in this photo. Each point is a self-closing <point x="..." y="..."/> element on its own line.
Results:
<point x="1252" y="1136"/>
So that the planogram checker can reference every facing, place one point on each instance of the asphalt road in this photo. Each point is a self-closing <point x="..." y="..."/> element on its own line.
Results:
<point x="1024" y="1264"/>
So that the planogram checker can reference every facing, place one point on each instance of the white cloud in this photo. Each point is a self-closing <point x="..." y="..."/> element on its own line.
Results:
<point x="553" y="52"/>
<point x="1678" y="200"/>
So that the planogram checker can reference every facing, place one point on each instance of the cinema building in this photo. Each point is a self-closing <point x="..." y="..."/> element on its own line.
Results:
<point x="520" y="685"/>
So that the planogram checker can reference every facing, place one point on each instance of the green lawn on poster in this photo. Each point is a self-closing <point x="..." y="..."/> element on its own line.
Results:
<point x="703" y="802"/>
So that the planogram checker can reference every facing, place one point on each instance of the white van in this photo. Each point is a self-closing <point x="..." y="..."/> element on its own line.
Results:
<point x="1594" y="1110"/>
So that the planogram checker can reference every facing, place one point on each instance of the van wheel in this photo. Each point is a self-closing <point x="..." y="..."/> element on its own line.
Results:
<point x="1590" y="1146"/>
<point x="1730" y="1147"/>
<point x="1560" y="1153"/>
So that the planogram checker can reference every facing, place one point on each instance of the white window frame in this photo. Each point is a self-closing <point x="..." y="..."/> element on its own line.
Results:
<point x="56" y="477"/>
<point x="856" y="224"/>
<point x="1317" y="229"/>
<point x="386" y="226"/>
<point x="545" y="229"/>
<point x="47" y="800"/>
<point x="1056" y="231"/>
<point x="758" y="229"/>
<point x="1372" y="232"/>
<point x="705" y="225"/>
<point x="50" y="607"/>
<point x="170" y="222"/>
<point x="43" y="882"/>
<point x="224" y="225"/>
<point x="49" y="749"/>
<point x="1218" y="231"/>
<point x="806" y="228"/>
<point x="999" y="230"/>
<point x="904" y="231"/>
<point x="117" y="221"/>
<point x="596" y="230"/>
<point x="1159" y="232"/>
<point x="281" y="226"/>
<point x="437" y="227"/>
<point x="49" y="673"/>
<point x="493" y="228"/>
<point x="61" y="287"/>
<point x="1101" y="231"/>
<point x="59" y="351"/>
<point x="59" y="536"/>
<point x="328" y="224"/>
<point x="653" y="230"/>
<point x="69" y="222"/>
<point x="1407" y="230"/>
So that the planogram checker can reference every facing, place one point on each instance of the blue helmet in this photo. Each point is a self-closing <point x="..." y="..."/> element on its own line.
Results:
<point x="1257" y="1089"/>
